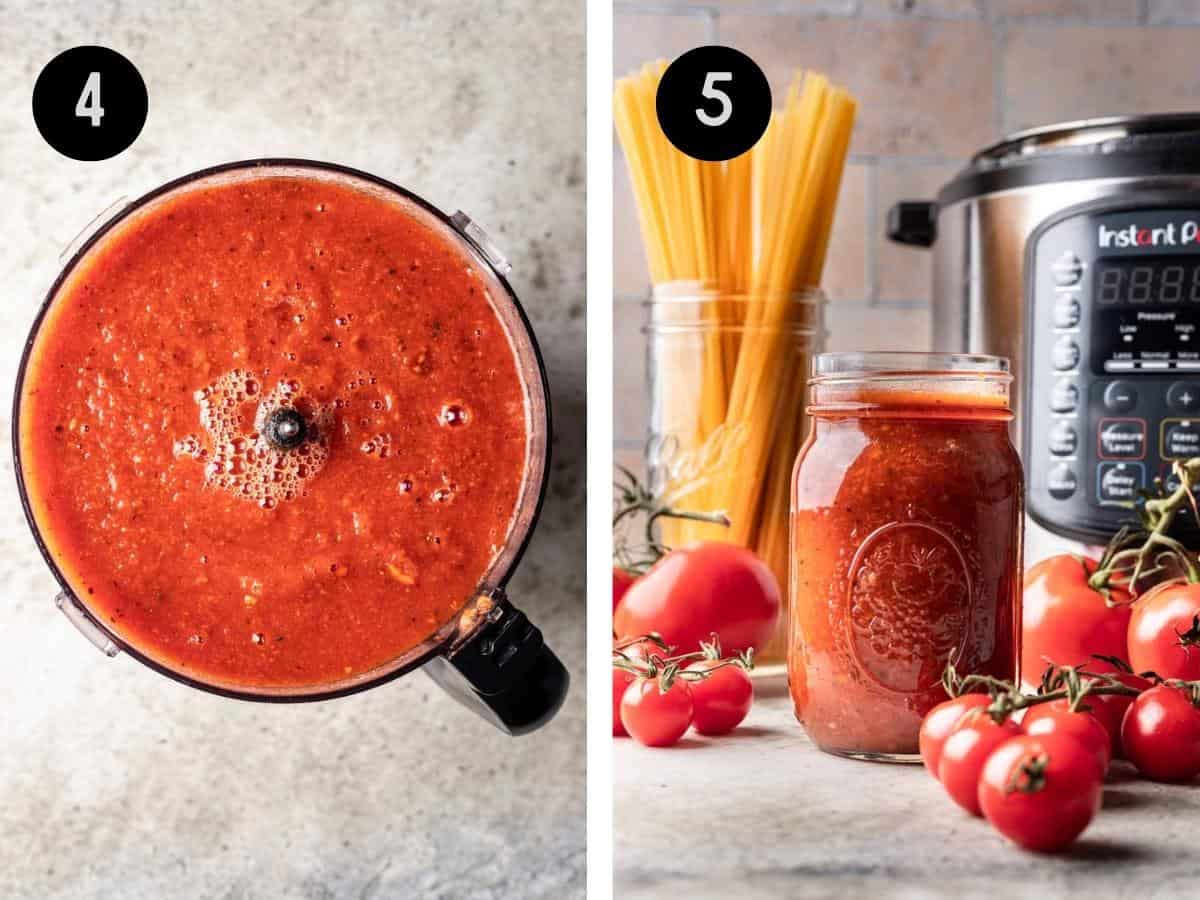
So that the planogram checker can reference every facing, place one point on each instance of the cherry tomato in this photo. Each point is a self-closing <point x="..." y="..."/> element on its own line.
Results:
<point x="655" y="717"/>
<point x="1114" y="706"/>
<point x="622" y="679"/>
<point x="1161" y="734"/>
<point x="1041" y="791"/>
<point x="964" y="752"/>
<point x="940" y="721"/>
<point x="722" y="700"/>
<point x="1068" y="623"/>
<point x="694" y="592"/>
<point x="1164" y="631"/>
<point x="622" y="581"/>
<point x="1056" y="717"/>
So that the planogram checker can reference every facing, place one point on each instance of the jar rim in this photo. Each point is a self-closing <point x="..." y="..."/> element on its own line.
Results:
<point x="907" y="364"/>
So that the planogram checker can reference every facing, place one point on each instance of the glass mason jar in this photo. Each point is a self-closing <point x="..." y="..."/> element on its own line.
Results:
<point x="906" y="526"/>
<point x="727" y="375"/>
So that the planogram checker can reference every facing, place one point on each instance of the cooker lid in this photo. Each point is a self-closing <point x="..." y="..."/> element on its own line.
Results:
<point x="1110" y="147"/>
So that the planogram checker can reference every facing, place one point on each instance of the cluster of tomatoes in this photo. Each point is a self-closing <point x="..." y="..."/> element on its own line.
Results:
<point x="1067" y="620"/>
<point x="1034" y="764"/>
<point x="657" y="697"/>
<point x="693" y="601"/>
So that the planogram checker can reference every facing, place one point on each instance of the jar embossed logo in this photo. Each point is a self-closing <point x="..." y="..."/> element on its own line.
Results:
<point x="909" y="602"/>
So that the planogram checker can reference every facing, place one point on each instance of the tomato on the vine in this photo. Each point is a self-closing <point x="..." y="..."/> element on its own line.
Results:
<point x="723" y="699"/>
<point x="939" y="722"/>
<point x="1161" y="734"/>
<point x="1164" y="631"/>
<point x="705" y="589"/>
<point x="655" y="716"/>
<point x="1041" y="791"/>
<point x="623" y="580"/>
<point x="622" y="678"/>
<point x="1110" y="708"/>
<point x="1057" y="717"/>
<point x="965" y="751"/>
<point x="1067" y="622"/>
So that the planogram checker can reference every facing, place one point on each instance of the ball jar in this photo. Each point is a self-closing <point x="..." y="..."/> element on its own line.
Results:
<point x="906" y="528"/>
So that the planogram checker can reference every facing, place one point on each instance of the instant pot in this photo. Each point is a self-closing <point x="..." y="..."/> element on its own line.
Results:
<point x="1074" y="250"/>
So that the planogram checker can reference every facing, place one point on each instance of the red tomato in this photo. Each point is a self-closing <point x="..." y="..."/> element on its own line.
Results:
<point x="1115" y="705"/>
<point x="964" y="752"/>
<point x="1164" y="631"/>
<point x="722" y="700"/>
<point x="940" y="721"/>
<point x="1161" y="734"/>
<point x="621" y="680"/>
<point x="1041" y="791"/>
<point x="622" y="581"/>
<point x="655" y="718"/>
<point x="1056" y="717"/>
<point x="1068" y="623"/>
<point x="696" y="591"/>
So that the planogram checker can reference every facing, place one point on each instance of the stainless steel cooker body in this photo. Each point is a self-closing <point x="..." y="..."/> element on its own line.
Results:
<point x="984" y="230"/>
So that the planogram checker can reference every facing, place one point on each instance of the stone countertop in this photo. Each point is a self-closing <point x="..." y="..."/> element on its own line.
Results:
<point x="119" y="783"/>
<point x="791" y="821"/>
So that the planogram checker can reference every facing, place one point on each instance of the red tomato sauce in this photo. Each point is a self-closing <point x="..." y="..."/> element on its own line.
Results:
<point x="906" y="549"/>
<point x="200" y="544"/>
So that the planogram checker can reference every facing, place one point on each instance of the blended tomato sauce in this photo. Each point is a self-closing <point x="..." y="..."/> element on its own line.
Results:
<point x="198" y="541"/>
<point x="906" y="550"/>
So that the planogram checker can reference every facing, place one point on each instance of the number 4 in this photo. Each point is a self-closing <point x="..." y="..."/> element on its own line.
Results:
<point x="711" y="93"/>
<point x="88" y="105"/>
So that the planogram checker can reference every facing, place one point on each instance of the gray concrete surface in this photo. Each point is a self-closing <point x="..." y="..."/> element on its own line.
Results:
<point x="762" y="813"/>
<point x="117" y="783"/>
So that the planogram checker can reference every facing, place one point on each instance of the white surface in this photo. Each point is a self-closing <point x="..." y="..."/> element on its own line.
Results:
<point x="117" y="783"/>
<point x="762" y="813"/>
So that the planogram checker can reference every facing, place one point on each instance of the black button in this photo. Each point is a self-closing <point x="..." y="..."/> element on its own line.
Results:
<point x="1122" y="438"/>
<point x="1065" y="397"/>
<point x="1120" y="397"/>
<point x="1181" y="438"/>
<point x="1067" y="270"/>
<point x="1063" y="439"/>
<point x="1066" y="311"/>
<point x="1066" y="354"/>
<point x="1183" y="396"/>
<point x="1119" y="482"/>
<point x="1061" y="482"/>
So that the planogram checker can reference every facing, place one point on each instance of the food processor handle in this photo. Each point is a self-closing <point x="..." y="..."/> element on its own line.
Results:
<point x="504" y="672"/>
<point x="913" y="222"/>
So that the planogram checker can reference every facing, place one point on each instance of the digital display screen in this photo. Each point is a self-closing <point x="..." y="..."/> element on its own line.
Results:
<point x="1146" y="281"/>
<point x="1146" y="315"/>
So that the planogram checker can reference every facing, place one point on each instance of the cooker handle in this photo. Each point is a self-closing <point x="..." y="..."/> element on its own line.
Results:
<point x="503" y="671"/>
<point x="913" y="222"/>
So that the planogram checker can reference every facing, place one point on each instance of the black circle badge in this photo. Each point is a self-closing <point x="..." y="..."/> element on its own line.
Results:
<point x="89" y="103"/>
<point x="713" y="103"/>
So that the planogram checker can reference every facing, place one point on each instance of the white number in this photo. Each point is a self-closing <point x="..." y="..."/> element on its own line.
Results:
<point x="711" y="93"/>
<point x="88" y="105"/>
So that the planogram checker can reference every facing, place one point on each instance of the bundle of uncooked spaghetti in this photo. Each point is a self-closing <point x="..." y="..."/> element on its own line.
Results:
<point x="745" y="241"/>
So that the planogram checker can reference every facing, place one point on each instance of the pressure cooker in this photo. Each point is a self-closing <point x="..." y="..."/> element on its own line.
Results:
<point x="1074" y="250"/>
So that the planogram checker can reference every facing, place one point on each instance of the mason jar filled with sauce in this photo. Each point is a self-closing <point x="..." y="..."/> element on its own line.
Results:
<point x="906" y="521"/>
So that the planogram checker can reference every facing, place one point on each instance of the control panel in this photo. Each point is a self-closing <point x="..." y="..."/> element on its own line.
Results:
<point x="1112" y="380"/>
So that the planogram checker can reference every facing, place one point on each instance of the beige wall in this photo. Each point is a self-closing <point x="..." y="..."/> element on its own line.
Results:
<point x="937" y="79"/>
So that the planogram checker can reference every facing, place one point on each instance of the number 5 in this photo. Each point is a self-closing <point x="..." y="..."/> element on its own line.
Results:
<point x="88" y="105"/>
<point x="711" y="93"/>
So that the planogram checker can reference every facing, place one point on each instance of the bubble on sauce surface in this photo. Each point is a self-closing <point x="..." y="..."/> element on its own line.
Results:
<point x="246" y="465"/>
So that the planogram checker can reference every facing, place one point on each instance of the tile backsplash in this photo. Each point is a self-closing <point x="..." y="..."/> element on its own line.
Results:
<point x="936" y="80"/>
